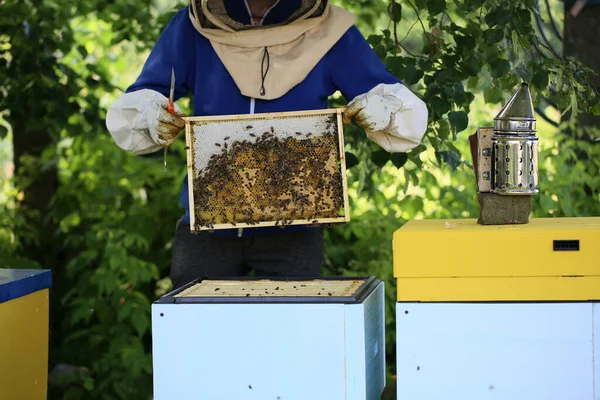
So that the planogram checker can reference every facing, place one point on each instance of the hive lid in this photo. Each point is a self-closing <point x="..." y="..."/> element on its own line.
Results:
<point x="15" y="283"/>
<point x="517" y="115"/>
<point x="545" y="247"/>
<point x="273" y="290"/>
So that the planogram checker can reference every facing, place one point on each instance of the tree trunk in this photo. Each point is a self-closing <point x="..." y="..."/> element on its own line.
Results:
<point x="581" y="41"/>
<point x="38" y="186"/>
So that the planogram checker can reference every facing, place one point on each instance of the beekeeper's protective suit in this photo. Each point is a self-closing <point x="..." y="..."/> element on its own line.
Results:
<point x="293" y="58"/>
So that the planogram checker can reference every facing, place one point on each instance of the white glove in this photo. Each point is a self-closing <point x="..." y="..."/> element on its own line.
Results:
<point x="163" y="126"/>
<point x="373" y="112"/>
<point x="391" y="115"/>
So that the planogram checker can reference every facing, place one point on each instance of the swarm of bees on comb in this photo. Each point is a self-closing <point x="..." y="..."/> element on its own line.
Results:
<point x="268" y="172"/>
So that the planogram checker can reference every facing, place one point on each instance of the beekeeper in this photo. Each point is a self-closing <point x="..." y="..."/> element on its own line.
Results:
<point x="258" y="56"/>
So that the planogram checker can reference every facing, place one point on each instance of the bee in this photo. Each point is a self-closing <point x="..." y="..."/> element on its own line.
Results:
<point x="217" y="144"/>
<point x="252" y="134"/>
<point x="226" y="138"/>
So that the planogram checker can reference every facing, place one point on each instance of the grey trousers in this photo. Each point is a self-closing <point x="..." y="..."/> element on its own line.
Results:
<point x="289" y="254"/>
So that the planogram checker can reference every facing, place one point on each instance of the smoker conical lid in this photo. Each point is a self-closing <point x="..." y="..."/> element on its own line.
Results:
<point x="517" y="115"/>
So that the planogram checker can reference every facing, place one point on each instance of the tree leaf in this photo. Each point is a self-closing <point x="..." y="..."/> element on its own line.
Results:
<point x="421" y="4"/>
<point x="459" y="120"/>
<point x="540" y="79"/>
<point x="436" y="6"/>
<point x="596" y="109"/>
<point x="443" y="130"/>
<point x="498" y="16"/>
<point x="380" y="51"/>
<point x="139" y="320"/>
<point x="411" y="74"/>
<point x="500" y="67"/>
<point x="471" y="66"/>
<point x="399" y="159"/>
<point x="374" y="40"/>
<point x="492" y="95"/>
<point x="450" y="158"/>
<point x="494" y="35"/>
<point x="395" y="64"/>
<point x="380" y="158"/>
<point x="465" y="43"/>
<point x="439" y="106"/>
<point x="351" y="160"/>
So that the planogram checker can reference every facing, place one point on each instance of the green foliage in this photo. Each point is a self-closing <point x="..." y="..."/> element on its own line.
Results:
<point x="570" y="185"/>
<point x="113" y="215"/>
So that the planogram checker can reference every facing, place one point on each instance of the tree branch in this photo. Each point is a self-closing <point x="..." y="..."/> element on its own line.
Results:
<point x="408" y="33"/>
<point x="418" y="16"/>
<point x="551" y="50"/>
<point x="394" y="22"/>
<point x="411" y="54"/>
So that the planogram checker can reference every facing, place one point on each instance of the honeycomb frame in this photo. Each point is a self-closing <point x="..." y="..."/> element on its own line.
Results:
<point x="336" y="145"/>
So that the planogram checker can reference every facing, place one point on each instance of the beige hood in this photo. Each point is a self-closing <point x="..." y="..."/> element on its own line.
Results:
<point x="266" y="62"/>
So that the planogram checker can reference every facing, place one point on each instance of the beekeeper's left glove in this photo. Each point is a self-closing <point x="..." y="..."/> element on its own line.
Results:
<point x="391" y="115"/>
<point x="373" y="112"/>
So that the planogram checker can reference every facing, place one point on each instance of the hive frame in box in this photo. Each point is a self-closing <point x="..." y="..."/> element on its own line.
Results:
<point x="342" y="160"/>
<point x="359" y="295"/>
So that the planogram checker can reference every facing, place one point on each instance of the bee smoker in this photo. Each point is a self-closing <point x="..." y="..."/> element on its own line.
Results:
<point x="508" y="152"/>
<point x="506" y="160"/>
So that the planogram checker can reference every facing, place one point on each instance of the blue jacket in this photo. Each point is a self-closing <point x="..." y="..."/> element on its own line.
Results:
<point x="351" y="66"/>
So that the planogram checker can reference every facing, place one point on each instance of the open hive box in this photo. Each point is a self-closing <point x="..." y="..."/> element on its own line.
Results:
<point x="252" y="290"/>
<point x="248" y="338"/>
<point x="266" y="170"/>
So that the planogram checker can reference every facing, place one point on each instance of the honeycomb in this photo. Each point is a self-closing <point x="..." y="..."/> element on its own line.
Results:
<point x="266" y="170"/>
<point x="273" y="288"/>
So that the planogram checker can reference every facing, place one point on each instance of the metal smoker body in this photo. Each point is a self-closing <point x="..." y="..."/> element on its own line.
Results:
<point x="508" y="153"/>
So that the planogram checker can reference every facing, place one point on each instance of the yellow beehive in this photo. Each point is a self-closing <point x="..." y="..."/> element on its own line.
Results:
<point x="548" y="259"/>
<point x="24" y="323"/>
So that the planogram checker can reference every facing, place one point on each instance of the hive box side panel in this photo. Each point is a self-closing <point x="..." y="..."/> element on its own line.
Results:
<point x="507" y="351"/>
<point x="24" y="347"/>
<point x="355" y="352"/>
<point x="596" y="338"/>
<point x="365" y="347"/>
<point x="522" y="288"/>
<point x="375" y="342"/>
<point x="245" y="351"/>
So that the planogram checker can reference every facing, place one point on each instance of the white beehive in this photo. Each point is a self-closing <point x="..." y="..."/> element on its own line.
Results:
<point x="317" y="339"/>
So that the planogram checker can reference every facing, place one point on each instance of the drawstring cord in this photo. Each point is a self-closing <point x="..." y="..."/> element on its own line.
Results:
<point x="264" y="71"/>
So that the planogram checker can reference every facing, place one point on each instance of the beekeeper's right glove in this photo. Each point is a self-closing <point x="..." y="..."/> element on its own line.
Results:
<point x="163" y="126"/>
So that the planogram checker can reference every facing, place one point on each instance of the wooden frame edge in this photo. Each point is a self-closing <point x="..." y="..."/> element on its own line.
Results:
<point x="266" y="224"/>
<point x="190" y="162"/>
<point x="265" y="115"/>
<point x="343" y="164"/>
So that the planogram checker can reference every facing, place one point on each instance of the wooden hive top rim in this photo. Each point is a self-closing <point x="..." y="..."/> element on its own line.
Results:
<point x="328" y="290"/>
